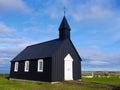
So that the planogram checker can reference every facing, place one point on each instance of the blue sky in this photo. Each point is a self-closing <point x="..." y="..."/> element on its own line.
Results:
<point x="95" y="29"/>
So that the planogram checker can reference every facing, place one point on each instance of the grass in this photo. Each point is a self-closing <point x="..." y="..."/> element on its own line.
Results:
<point x="111" y="80"/>
<point x="6" y="84"/>
<point x="111" y="83"/>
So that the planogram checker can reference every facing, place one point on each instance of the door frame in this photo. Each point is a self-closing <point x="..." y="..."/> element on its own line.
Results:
<point x="68" y="58"/>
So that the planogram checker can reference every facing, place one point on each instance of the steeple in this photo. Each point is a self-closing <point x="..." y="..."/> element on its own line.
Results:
<point x="64" y="29"/>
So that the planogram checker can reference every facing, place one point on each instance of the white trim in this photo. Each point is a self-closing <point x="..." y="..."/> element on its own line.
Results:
<point x="68" y="58"/>
<point x="16" y="66"/>
<point x="26" y="67"/>
<point x="68" y="67"/>
<point x="40" y="65"/>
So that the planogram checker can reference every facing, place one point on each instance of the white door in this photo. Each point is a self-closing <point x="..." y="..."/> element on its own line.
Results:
<point x="68" y="67"/>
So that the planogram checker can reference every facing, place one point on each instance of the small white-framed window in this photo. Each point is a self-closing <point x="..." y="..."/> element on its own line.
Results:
<point x="16" y="66"/>
<point x="26" y="67"/>
<point x="40" y="65"/>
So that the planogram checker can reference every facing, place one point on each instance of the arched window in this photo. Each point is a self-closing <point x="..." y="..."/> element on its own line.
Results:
<point x="16" y="67"/>
<point x="40" y="65"/>
<point x="26" y="68"/>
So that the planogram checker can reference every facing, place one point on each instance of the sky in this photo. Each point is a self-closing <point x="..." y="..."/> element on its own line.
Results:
<point x="95" y="29"/>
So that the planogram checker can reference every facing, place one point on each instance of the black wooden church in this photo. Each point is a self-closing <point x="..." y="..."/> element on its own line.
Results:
<point x="51" y="61"/>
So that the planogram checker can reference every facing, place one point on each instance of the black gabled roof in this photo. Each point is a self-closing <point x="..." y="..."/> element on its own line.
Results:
<point x="45" y="49"/>
<point x="41" y="50"/>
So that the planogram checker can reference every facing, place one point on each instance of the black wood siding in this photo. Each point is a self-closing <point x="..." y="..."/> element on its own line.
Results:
<point x="58" y="62"/>
<point x="53" y="69"/>
<point x="32" y="74"/>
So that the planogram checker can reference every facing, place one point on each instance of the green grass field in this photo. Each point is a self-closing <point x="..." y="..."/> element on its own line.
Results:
<point x="111" y="81"/>
<point x="86" y="84"/>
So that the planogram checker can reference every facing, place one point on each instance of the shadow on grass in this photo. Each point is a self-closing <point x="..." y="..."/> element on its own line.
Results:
<point x="116" y="88"/>
<point x="7" y="78"/>
<point x="39" y="83"/>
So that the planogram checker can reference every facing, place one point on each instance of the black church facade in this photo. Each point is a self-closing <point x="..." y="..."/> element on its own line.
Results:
<point x="51" y="61"/>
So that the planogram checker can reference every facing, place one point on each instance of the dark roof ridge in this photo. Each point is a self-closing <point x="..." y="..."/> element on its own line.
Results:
<point x="43" y="42"/>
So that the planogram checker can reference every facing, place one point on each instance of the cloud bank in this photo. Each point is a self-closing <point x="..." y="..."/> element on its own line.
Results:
<point x="13" y="5"/>
<point x="95" y="29"/>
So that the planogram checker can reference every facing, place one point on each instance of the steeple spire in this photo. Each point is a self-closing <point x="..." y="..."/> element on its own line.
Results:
<point x="64" y="24"/>
<point x="64" y="29"/>
<point x="64" y="11"/>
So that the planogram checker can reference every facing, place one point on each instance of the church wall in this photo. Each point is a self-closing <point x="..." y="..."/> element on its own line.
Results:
<point x="58" y="62"/>
<point x="32" y="74"/>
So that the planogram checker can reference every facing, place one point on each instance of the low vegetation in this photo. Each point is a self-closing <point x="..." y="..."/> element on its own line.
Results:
<point x="112" y="83"/>
<point x="102" y="74"/>
<point x="4" y="75"/>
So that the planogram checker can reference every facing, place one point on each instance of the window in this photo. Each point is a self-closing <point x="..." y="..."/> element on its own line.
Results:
<point x="26" y="68"/>
<point x="16" y="67"/>
<point x="40" y="65"/>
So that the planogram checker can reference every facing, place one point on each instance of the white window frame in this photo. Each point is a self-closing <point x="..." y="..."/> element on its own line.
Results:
<point x="16" y="65"/>
<point x="26" y="67"/>
<point x="40" y="64"/>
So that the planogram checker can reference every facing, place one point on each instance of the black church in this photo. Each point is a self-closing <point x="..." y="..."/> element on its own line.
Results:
<point x="51" y="61"/>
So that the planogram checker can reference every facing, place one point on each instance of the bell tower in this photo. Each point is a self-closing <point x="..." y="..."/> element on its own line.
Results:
<point x="64" y="29"/>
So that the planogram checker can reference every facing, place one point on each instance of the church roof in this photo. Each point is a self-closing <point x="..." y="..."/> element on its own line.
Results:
<point x="45" y="49"/>
<point x="64" y="24"/>
<point x="41" y="50"/>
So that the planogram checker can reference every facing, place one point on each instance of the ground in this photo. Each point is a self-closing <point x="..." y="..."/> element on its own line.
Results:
<point x="85" y="84"/>
<point x="100" y="81"/>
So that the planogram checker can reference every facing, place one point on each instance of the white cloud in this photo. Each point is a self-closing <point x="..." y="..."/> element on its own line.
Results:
<point x="13" y="5"/>
<point x="11" y="44"/>
<point x="5" y="29"/>
<point x="91" y="10"/>
<point x="9" y="48"/>
<point x="5" y="61"/>
<point x="99" y="60"/>
<point x="55" y="8"/>
<point x="100" y="69"/>
<point x="15" y="41"/>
